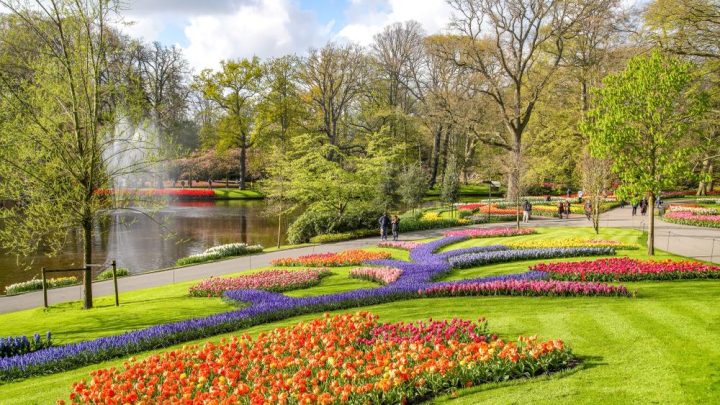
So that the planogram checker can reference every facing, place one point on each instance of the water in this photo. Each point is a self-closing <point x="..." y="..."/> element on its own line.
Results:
<point x="141" y="243"/>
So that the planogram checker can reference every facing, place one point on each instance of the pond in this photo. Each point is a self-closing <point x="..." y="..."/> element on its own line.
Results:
<point x="141" y="243"/>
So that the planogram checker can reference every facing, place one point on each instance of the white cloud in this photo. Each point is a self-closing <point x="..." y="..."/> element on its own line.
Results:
<point x="147" y="28"/>
<point x="264" y="28"/>
<point x="366" y="20"/>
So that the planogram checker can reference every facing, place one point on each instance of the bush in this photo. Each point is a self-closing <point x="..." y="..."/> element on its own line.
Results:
<point x="16" y="345"/>
<point x="315" y="223"/>
<point x="220" y="252"/>
<point x="36" y="284"/>
<point x="107" y="274"/>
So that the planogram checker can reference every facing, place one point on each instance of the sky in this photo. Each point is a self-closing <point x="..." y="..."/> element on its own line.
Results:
<point x="209" y="31"/>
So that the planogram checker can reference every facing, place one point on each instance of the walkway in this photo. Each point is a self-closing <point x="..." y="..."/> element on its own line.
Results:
<point x="699" y="243"/>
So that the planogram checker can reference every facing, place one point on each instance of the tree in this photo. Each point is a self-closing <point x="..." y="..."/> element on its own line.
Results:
<point x="597" y="178"/>
<point x="642" y="118"/>
<point x="61" y="134"/>
<point x="234" y="89"/>
<point x="413" y="184"/>
<point x="451" y="183"/>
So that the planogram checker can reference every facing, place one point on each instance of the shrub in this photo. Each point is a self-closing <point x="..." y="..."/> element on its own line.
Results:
<point x="315" y="223"/>
<point x="220" y="252"/>
<point x="107" y="274"/>
<point x="16" y="345"/>
<point x="36" y="284"/>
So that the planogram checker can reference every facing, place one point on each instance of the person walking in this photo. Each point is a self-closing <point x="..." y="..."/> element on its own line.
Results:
<point x="395" y="226"/>
<point x="568" y="206"/>
<point x="643" y="206"/>
<point x="561" y="209"/>
<point x="588" y="209"/>
<point x="527" y="208"/>
<point x="384" y="223"/>
<point x="634" y="208"/>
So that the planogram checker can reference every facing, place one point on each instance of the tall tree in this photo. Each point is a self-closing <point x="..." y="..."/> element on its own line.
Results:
<point x="642" y="119"/>
<point x="234" y="89"/>
<point x="60" y="139"/>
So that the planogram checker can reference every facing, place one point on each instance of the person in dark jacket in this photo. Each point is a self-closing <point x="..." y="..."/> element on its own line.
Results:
<point x="395" y="226"/>
<point x="643" y="206"/>
<point x="588" y="209"/>
<point x="384" y="223"/>
<point x="561" y="209"/>
<point x="567" y="209"/>
<point x="527" y="208"/>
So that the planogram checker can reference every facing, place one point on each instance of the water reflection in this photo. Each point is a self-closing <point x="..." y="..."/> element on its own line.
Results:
<point x="141" y="243"/>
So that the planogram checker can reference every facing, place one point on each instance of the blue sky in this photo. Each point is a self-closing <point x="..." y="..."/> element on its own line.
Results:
<point x="212" y="30"/>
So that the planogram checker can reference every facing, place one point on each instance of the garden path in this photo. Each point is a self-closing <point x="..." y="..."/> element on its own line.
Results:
<point x="699" y="243"/>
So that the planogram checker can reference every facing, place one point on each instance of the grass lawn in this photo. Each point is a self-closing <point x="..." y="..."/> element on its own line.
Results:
<point x="659" y="347"/>
<point x="236" y="194"/>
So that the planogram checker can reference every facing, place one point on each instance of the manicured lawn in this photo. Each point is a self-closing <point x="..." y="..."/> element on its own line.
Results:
<point x="659" y="347"/>
<point x="237" y="194"/>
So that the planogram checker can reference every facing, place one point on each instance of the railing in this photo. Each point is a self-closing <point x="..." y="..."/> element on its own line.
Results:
<point x="87" y="272"/>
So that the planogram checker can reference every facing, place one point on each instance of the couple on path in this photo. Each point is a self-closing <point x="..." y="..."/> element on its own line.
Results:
<point x="388" y="223"/>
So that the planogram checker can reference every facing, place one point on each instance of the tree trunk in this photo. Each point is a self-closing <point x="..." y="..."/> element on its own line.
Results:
<point x="446" y="145"/>
<point x="87" y="275"/>
<point x="435" y="156"/>
<point x="279" y="230"/>
<point x="651" y="228"/>
<point x="243" y="155"/>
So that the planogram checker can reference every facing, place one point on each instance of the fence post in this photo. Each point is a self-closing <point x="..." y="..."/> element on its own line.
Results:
<point x="114" y="271"/>
<point x="44" y="286"/>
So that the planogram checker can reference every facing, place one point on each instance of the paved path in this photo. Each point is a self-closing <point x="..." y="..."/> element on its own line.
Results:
<point x="700" y="243"/>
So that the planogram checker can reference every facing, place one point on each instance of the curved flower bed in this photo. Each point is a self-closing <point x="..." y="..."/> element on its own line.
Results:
<point x="570" y="242"/>
<point x="478" y="259"/>
<point x="527" y="288"/>
<point x="347" y="258"/>
<point x="263" y="307"/>
<point x="270" y="280"/>
<point x="693" y="208"/>
<point x="220" y="252"/>
<point x="323" y="361"/>
<point x="491" y="232"/>
<point x="689" y="218"/>
<point x="403" y="245"/>
<point x="382" y="275"/>
<point x="626" y="269"/>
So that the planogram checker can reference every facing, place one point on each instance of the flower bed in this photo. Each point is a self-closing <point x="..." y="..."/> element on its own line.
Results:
<point x="270" y="280"/>
<point x="626" y="269"/>
<point x="220" y="252"/>
<point x="347" y="258"/>
<point x="399" y="245"/>
<point x="688" y="218"/>
<point x="693" y="208"/>
<point x="491" y="232"/>
<point x="527" y="288"/>
<point x="17" y="345"/>
<point x="571" y="242"/>
<point x="36" y="284"/>
<point x="383" y="275"/>
<point x="321" y="361"/>
<point x="478" y="259"/>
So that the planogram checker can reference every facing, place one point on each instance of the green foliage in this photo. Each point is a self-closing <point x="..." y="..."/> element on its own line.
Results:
<point x="314" y="223"/>
<point x="36" y="284"/>
<point x="451" y="183"/>
<point x="108" y="275"/>
<point x="412" y="185"/>
<point x="642" y="117"/>
<point x="339" y="237"/>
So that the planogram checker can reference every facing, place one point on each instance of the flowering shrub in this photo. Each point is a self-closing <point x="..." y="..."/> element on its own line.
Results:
<point x="571" y="242"/>
<point x="526" y="288"/>
<point x="477" y="259"/>
<point x="626" y="269"/>
<point x="347" y="258"/>
<point x="383" y="275"/>
<point x="321" y="361"/>
<point x="220" y="252"/>
<point x="490" y="232"/>
<point x="16" y="345"/>
<point x="36" y="284"/>
<point x="270" y="280"/>
<point x="399" y="245"/>
<point x="688" y="218"/>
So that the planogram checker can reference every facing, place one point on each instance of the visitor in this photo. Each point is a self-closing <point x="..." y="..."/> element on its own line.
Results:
<point x="661" y="208"/>
<point x="568" y="192"/>
<point x="527" y="208"/>
<point x="588" y="209"/>
<point x="634" y="208"/>
<point x="567" y="209"/>
<point x="580" y="196"/>
<point x="384" y="222"/>
<point x="561" y="209"/>
<point x="643" y="206"/>
<point x="395" y="225"/>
